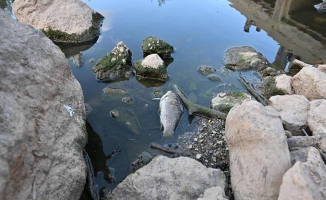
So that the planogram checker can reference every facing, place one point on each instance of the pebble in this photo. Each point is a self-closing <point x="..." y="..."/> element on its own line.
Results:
<point x="198" y="156"/>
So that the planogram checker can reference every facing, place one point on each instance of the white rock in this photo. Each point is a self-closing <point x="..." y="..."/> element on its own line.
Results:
<point x="317" y="119"/>
<point x="152" y="61"/>
<point x="283" y="82"/>
<point x="41" y="143"/>
<point x="198" y="156"/>
<point x="170" y="178"/>
<point x="305" y="180"/>
<point x="310" y="82"/>
<point x="258" y="150"/>
<point x="293" y="110"/>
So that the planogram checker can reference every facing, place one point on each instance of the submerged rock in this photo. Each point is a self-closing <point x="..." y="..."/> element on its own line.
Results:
<point x="153" y="45"/>
<point x="214" y="78"/>
<point x="114" y="91"/>
<point x="62" y="21"/>
<point x="42" y="117"/>
<point x="152" y="66"/>
<point x="127" y="100"/>
<point x="243" y="58"/>
<point x="206" y="69"/>
<point x="170" y="178"/>
<point x="114" y="64"/>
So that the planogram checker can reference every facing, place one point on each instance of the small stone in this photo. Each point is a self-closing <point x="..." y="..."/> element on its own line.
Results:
<point x="195" y="139"/>
<point x="91" y="60"/>
<point x="198" y="156"/>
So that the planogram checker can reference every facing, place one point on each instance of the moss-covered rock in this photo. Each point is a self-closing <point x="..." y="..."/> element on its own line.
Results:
<point x="153" y="45"/>
<point x="88" y="35"/>
<point x="152" y="67"/>
<point x="114" y="64"/>
<point x="269" y="88"/>
<point x="224" y="101"/>
<point x="243" y="58"/>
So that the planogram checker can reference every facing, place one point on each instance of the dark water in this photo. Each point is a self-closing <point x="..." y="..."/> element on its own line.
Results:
<point x="200" y="31"/>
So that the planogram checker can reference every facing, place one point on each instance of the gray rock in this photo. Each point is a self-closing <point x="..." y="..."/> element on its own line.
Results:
<point x="258" y="150"/>
<point x="305" y="180"/>
<point x="42" y="117"/>
<point x="317" y="120"/>
<point x="152" y="66"/>
<point x="169" y="178"/>
<point x="310" y="82"/>
<point x="293" y="110"/>
<point x="299" y="154"/>
<point x="62" y="21"/>
<point x="154" y="45"/>
<point x="114" y="64"/>
<point x="243" y="58"/>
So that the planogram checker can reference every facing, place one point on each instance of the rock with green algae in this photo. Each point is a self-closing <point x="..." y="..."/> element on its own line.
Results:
<point x="269" y="88"/>
<point x="114" y="64"/>
<point x="152" y="67"/>
<point x="224" y="101"/>
<point x="244" y="58"/>
<point x="153" y="45"/>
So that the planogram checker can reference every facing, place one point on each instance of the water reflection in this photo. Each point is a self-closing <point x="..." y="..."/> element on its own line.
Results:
<point x="94" y="149"/>
<point x="296" y="25"/>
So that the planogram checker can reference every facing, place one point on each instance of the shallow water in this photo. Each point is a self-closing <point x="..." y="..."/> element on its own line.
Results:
<point x="200" y="31"/>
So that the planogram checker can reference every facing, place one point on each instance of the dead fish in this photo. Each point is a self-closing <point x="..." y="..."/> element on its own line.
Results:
<point x="171" y="110"/>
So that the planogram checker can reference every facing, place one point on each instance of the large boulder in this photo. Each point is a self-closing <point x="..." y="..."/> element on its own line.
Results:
<point x="62" y="21"/>
<point x="317" y="120"/>
<point x="258" y="150"/>
<point x="243" y="58"/>
<point x="310" y="82"/>
<point x="156" y="45"/>
<point x="293" y="110"/>
<point x="42" y="117"/>
<point x="152" y="66"/>
<point x="305" y="180"/>
<point x="170" y="178"/>
<point x="114" y="64"/>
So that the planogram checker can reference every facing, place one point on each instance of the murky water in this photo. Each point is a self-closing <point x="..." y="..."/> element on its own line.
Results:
<point x="200" y="31"/>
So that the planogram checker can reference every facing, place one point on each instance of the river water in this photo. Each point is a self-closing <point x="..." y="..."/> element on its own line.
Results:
<point x="200" y="31"/>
